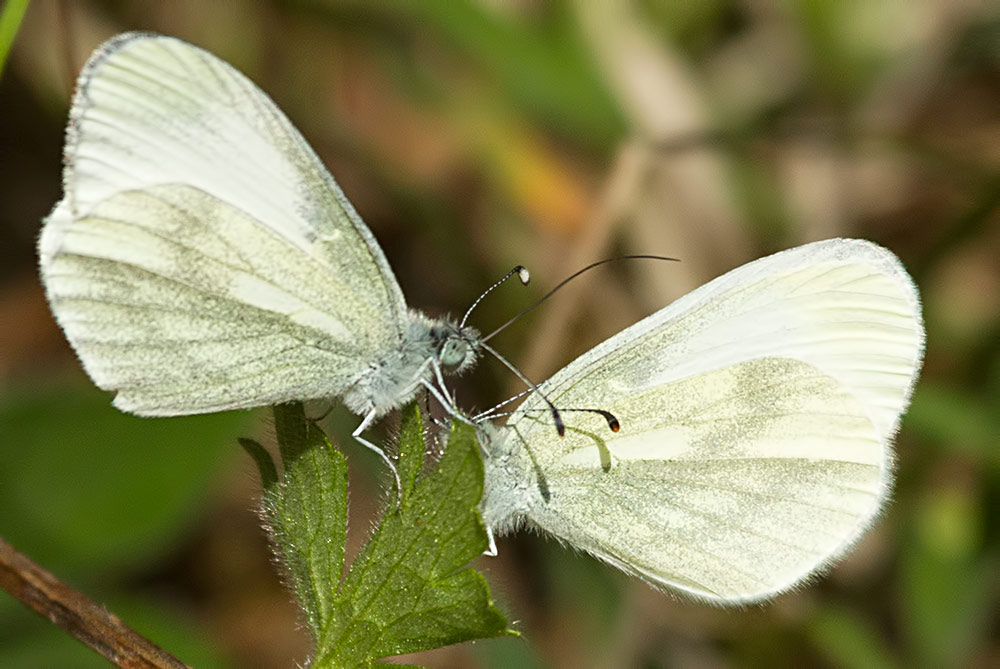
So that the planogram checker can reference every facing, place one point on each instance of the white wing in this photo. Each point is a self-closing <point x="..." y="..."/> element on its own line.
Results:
<point x="202" y="258"/>
<point x="756" y="419"/>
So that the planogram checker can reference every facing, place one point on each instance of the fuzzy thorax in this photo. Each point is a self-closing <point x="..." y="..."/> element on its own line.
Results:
<point x="393" y="379"/>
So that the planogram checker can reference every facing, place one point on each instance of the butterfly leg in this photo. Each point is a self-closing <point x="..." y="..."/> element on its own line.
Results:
<point x="438" y="423"/>
<point x="491" y="550"/>
<point x="454" y="412"/>
<point x="448" y="406"/>
<point x="365" y="422"/>
<point x="440" y="379"/>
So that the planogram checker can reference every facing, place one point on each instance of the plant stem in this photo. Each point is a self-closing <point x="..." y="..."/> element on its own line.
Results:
<point x="75" y="613"/>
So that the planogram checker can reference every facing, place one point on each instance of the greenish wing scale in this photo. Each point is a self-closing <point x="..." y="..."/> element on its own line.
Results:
<point x="728" y="485"/>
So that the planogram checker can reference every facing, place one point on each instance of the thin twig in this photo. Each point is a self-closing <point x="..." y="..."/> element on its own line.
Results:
<point x="73" y="612"/>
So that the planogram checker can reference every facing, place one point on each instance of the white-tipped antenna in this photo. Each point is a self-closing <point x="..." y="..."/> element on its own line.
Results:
<point x="522" y="274"/>
<point x="558" y="286"/>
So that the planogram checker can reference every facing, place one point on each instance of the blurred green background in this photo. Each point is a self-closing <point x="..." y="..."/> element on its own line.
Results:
<point x="474" y="136"/>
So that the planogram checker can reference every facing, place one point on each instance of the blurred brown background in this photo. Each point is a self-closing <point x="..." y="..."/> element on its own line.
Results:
<point x="474" y="136"/>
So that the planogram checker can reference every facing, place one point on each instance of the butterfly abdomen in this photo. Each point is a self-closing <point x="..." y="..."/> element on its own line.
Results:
<point x="508" y="480"/>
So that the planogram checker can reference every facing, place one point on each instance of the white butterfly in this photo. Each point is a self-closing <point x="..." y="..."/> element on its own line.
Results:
<point x="757" y="415"/>
<point x="203" y="259"/>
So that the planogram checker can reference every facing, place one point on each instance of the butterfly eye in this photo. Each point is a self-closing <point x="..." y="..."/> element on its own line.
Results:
<point x="453" y="353"/>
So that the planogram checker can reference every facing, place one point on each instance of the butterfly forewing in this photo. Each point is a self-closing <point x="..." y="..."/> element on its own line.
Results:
<point x="202" y="258"/>
<point x="844" y="305"/>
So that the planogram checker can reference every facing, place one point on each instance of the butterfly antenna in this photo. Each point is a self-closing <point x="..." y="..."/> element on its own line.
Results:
<point x="560" y="285"/>
<point x="522" y="274"/>
<point x="494" y="411"/>
<point x="556" y="417"/>
<point x="613" y="423"/>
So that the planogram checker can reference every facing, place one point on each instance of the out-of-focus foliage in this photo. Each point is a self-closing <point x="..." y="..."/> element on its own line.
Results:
<point x="10" y="21"/>
<point x="96" y="496"/>
<point x="474" y="136"/>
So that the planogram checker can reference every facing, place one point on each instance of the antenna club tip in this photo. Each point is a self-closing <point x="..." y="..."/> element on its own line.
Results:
<point x="614" y="425"/>
<point x="523" y="274"/>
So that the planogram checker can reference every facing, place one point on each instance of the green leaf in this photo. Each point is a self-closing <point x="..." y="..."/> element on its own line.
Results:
<point x="265" y="463"/>
<point x="10" y="21"/>
<point x="308" y="512"/>
<point x="409" y="590"/>
<point x="411" y="452"/>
